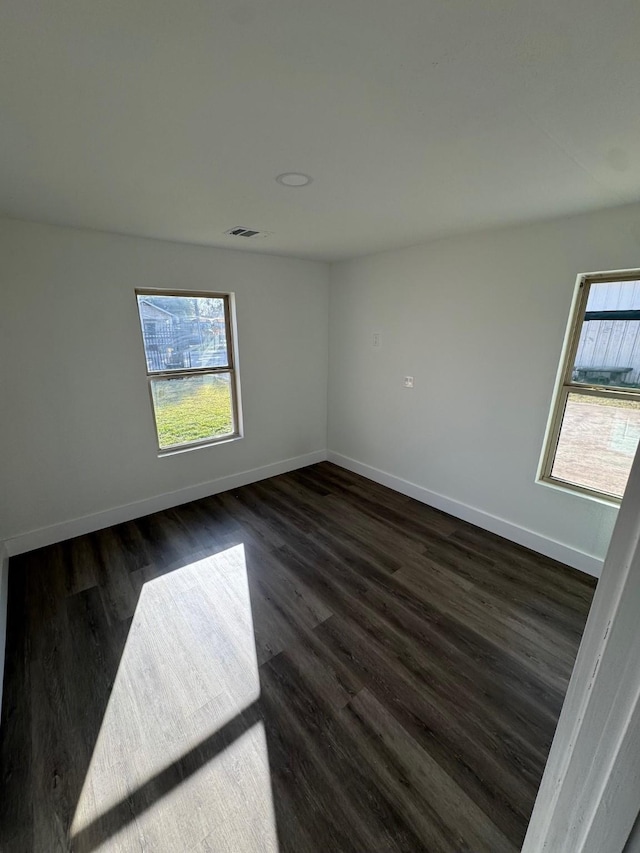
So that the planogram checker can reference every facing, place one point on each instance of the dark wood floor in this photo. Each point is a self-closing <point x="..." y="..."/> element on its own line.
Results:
<point x="310" y="663"/>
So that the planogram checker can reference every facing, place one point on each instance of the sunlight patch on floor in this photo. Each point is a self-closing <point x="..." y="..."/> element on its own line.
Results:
<point x="188" y="669"/>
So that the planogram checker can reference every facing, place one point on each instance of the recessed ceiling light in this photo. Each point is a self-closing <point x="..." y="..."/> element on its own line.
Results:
<point x="294" y="179"/>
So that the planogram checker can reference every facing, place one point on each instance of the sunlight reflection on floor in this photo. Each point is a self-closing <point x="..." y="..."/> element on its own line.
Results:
<point x="188" y="669"/>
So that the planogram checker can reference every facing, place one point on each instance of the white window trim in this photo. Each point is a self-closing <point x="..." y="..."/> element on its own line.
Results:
<point x="564" y="385"/>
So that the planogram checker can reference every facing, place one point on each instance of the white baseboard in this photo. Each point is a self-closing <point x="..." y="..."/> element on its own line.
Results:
<point x="88" y="523"/>
<point x="4" y="593"/>
<point x="97" y="521"/>
<point x="535" y="541"/>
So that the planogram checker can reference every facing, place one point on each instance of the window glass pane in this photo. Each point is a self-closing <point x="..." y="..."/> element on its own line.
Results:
<point x="598" y="441"/>
<point x="614" y="296"/>
<point x="192" y="408"/>
<point x="182" y="332"/>
<point x="609" y="348"/>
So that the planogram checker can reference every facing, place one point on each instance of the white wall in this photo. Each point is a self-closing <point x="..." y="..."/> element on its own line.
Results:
<point x="77" y="433"/>
<point x="479" y="321"/>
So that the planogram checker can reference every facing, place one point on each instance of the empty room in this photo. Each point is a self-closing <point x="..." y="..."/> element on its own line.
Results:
<point x="320" y="394"/>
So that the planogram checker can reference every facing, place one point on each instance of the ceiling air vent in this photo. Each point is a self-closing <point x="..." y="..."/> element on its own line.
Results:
<point x="239" y="231"/>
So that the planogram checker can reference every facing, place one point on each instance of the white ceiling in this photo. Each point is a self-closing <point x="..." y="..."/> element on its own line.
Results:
<point x="416" y="118"/>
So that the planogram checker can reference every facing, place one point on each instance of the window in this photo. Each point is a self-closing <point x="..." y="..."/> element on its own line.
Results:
<point x="595" y="424"/>
<point x="189" y="353"/>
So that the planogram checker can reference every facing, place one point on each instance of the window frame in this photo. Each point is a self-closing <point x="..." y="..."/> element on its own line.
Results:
<point x="565" y="385"/>
<point x="164" y="375"/>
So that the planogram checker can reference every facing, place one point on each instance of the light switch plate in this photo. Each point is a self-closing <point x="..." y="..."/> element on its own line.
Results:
<point x="408" y="381"/>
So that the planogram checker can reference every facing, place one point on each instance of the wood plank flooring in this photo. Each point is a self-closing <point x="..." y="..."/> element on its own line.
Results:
<point x="312" y="664"/>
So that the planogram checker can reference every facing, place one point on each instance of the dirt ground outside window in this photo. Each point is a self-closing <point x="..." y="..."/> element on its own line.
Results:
<point x="597" y="443"/>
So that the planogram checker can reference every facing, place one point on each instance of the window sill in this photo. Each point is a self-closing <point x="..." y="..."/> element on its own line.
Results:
<point x="199" y="445"/>
<point x="568" y="489"/>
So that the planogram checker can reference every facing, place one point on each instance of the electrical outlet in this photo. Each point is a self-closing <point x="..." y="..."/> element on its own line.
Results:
<point x="408" y="381"/>
<point x="376" y="339"/>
